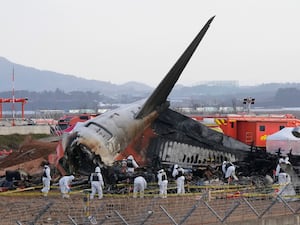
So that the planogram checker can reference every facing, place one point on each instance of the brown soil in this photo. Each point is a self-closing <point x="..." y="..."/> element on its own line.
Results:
<point x="28" y="157"/>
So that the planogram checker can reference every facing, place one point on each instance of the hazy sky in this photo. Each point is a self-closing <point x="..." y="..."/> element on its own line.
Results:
<point x="252" y="41"/>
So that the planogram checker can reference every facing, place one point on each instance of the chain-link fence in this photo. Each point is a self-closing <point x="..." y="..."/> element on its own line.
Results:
<point x="209" y="205"/>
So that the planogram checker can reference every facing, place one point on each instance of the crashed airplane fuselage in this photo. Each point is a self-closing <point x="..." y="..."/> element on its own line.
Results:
<point x="100" y="140"/>
<point x="170" y="136"/>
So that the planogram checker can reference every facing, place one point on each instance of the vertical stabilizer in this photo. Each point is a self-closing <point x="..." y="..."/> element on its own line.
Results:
<point x="161" y="93"/>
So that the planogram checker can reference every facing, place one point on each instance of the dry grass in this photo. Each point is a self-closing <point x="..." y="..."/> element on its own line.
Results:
<point x="13" y="141"/>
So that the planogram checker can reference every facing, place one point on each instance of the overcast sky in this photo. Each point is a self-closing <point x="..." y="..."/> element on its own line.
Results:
<point x="252" y="41"/>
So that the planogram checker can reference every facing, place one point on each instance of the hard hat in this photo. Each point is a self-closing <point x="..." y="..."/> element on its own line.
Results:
<point x="224" y="162"/>
<point x="161" y="171"/>
<point x="175" y="166"/>
<point x="281" y="160"/>
<point x="97" y="170"/>
<point x="130" y="157"/>
<point x="72" y="177"/>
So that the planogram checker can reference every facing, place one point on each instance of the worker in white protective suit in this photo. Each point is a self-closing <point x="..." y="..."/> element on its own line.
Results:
<point x="163" y="183"/>
<point x="131" y="164"/>
<point x="139" y="186"/>
<point x="46" y="179"/>
<point x="229" y="171"/>
<point x="284" y="179"/>
<point x="287" y="160"/>
<point x="178" y="174"/>
<point x="278" y="168"/>
<point x="65" y="185"/>
<point x="97" y="183"/>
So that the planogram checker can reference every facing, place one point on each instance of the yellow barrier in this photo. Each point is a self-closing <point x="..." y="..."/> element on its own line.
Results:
<point x="224" y="191"/>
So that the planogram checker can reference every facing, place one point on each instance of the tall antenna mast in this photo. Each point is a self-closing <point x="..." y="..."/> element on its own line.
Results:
<point x="13" y="97"/>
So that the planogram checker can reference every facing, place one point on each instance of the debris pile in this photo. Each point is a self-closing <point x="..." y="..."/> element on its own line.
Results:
<point x="25" y="160"/>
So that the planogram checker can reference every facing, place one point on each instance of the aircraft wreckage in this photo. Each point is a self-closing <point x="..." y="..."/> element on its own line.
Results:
<point x="157" y="136"/>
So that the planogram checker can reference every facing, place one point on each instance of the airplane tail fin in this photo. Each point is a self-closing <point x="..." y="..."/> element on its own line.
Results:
<point x="161" y="93"/>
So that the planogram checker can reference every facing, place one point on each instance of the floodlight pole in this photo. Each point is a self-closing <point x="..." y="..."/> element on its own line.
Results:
<point x="248" y="101"/>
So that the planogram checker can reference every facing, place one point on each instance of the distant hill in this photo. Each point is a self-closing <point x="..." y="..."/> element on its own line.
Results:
<point x="32" y="79"/>
<point x="46" y="88"/>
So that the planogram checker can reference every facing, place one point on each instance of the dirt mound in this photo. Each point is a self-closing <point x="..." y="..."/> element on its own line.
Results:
<point x="28" y="155"/>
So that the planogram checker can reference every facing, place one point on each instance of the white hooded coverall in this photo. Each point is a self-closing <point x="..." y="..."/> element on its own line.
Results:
<point x="46" y="180"/>
<point x="163" y="183"/>
<point x="97" y="183"/>
<point x="131" y="164"/>
<point x="229" y="170"/>
<point x="65" y="185"/>
<point x="284" y="180"/>
<point x="178" y="174"/>
<point x="278" y="167"/>
<point x="139" y="185"/>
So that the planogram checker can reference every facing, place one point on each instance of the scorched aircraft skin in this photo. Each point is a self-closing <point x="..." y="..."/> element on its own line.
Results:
<point x="150" y="131"/>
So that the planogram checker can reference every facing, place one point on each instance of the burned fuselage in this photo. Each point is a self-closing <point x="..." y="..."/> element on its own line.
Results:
<point x="99" y="140"/>
<point x="152" y="132"/>
<point x="156" y="135"/>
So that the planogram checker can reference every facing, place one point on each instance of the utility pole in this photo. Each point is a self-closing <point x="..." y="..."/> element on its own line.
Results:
<point x="13" y="97"/>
